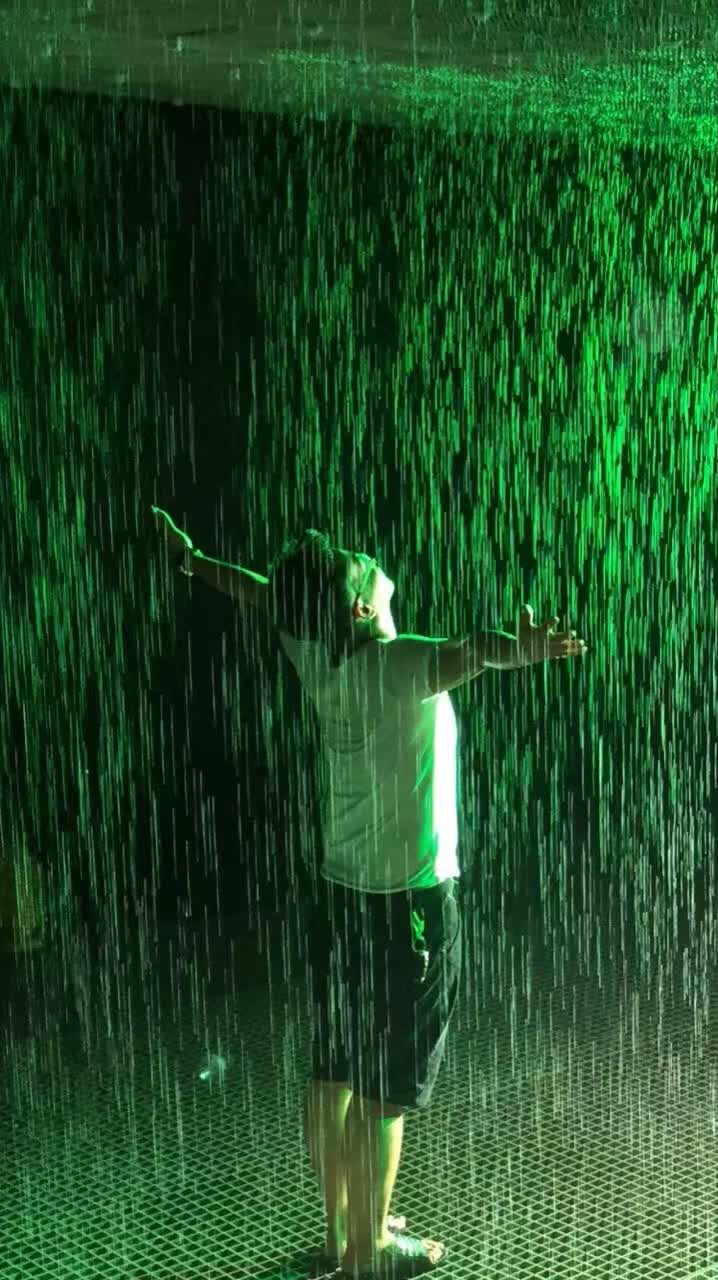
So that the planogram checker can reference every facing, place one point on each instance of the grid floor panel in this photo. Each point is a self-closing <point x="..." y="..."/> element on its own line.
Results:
<point x="573" y="1132"/>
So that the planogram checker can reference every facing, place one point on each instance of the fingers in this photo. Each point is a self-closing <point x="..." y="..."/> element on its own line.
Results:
<point x="167" y="523"/>
<point x="527" y="613"/>
<point x="567" y="646"/>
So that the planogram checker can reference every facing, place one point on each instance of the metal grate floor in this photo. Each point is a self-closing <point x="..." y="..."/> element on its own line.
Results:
<point x="573" y="1133"/>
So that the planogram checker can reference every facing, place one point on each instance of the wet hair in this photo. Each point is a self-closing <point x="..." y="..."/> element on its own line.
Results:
<point x="312" y="591"/>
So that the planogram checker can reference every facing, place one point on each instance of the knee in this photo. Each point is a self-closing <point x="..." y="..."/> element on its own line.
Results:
<point x="369" y="1107"/>
<point x="326" y="1097"/>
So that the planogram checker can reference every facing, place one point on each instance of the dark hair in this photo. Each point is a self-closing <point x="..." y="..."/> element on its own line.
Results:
<point x="311" y="591"/>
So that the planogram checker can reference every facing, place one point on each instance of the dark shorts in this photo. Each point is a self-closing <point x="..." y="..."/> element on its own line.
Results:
<point x="381" y="1006"/>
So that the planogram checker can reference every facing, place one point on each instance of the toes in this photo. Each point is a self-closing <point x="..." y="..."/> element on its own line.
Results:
<point x="435" y="1249"/>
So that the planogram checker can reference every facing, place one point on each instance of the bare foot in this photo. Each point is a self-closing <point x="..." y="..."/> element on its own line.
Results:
<point x="363" y="1262"/>
<point x="336" y="1248"/>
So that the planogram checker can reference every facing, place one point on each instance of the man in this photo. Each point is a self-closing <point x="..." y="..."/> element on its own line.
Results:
<point x="385" y="931"/>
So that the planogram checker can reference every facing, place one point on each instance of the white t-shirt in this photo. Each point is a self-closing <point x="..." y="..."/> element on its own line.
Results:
<point x="388" y="767"/>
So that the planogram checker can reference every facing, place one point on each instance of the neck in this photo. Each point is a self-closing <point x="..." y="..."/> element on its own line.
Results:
<point x="363" y="632"/>
<point x="357" y="640"/>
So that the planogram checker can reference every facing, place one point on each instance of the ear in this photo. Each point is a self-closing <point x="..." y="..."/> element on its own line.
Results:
<point x="361" y="612"/>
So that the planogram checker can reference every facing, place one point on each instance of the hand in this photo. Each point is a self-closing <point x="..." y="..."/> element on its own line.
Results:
<point x="175" y="541"/>
<point x="538" y="644"/>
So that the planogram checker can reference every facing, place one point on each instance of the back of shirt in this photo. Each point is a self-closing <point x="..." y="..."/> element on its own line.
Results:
<point x="388" y="806"/>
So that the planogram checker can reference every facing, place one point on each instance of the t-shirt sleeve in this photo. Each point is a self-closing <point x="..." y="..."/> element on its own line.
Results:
<point x="407" y="662"/>
<point x="309" y="661"/>
<point x="296" y="654"/>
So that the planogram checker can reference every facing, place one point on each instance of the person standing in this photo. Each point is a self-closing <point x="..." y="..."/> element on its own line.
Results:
<point x="384" y="937"/>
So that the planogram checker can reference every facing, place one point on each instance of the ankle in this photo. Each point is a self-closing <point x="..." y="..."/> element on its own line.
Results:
<point x="365" y="1250"/>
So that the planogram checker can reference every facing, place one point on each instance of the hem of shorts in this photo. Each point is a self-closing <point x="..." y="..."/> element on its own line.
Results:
<point x="405" y="888"/>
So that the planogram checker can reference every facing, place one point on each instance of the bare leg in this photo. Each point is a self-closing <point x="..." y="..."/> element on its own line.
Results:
<point x="373" y="1140"/>
<point x="324" y="1121"/>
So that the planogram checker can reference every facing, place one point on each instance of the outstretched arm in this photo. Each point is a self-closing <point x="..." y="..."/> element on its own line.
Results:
<point x="241" y="584"/>
<point x="458" y="662"/>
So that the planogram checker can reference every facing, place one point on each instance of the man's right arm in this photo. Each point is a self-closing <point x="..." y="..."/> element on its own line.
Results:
<point x="241" y="584"/>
